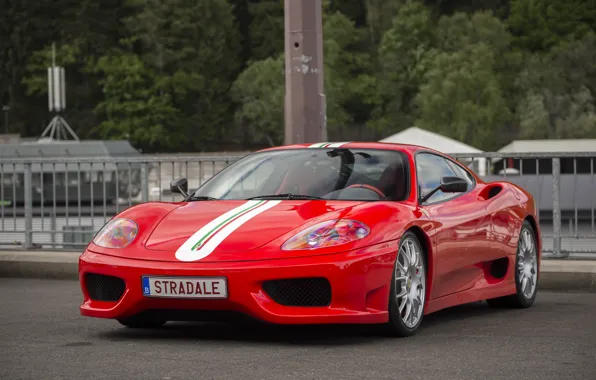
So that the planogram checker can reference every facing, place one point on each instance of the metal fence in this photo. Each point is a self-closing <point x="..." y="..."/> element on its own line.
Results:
<point x="62" y="203"/>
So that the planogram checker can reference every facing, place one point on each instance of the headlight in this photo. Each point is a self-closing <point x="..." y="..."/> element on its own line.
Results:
<point x="117" y="233"/>
<point x="327" y="234"/>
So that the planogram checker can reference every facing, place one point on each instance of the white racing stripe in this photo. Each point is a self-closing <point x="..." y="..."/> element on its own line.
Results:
<point x="328" y="144"/>
<point x="203" y="242"/>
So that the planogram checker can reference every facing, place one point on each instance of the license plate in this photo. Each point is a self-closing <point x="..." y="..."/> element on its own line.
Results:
<point x="185" y="287"/>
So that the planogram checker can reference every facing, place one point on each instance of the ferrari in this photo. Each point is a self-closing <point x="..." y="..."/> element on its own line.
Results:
<point x="329" y="233"/>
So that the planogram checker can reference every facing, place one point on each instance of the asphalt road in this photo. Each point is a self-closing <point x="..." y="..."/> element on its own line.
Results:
<point x="43" y="337"/>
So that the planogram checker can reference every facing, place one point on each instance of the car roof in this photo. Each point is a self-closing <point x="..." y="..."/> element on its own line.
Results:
<point x="408" y="148"/>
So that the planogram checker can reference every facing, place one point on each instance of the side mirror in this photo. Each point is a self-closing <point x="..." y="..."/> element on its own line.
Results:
<point x="179" y="186"/>
<point x="453" y="185"/>
<point x="448" y="185"/>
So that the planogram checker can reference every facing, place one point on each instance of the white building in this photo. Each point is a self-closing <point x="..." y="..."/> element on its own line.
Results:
<point x="550" y="146"/>
<point x="580" y="164"/>
<point x="422" y="137"/>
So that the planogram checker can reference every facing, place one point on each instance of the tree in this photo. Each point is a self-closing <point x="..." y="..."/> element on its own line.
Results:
<point x="25" y="27"/>
<point x="260" y="89"/>
<point x="347" y="72"/>
<point x="82" y="33"/>
<point x="482" y="27"/>
<point x="380" y="15"/>
<point x="210" y="70"/>
<point x="540" y="25"/>
<point x="461" y="29"/>
<point x="559" y="101"/>
<point x="355" y="10"/>
<point x="266" y="28"/>
<point x="135" y="106"/>
<point x="449" y="7"/>
<point x="80" y="96"/>
<point x="577" y="60"/>
<point x="547" y="115"/>
<point x="193" y="47"/>
<point x="462" y="97"/>
<point x="405" y="53"/>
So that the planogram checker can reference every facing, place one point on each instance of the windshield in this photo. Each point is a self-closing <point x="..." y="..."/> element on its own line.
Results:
<point x="343" y="174"/>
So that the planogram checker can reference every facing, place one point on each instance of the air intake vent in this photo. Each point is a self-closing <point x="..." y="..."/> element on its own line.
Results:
<point x="104" y="288"/>
<point x="305" y="292"/>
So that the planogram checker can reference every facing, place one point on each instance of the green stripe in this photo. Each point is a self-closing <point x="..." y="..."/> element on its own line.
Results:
<point x="210" y="233"/>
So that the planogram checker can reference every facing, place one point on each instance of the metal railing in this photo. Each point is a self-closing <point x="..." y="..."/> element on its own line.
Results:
<point x="61" y="203"/>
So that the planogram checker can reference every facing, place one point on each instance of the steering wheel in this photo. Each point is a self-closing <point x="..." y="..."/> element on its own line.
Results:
<point x="369" y="187"/>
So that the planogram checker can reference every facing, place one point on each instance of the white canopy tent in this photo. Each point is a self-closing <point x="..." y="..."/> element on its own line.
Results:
<point x="421" y="137"/>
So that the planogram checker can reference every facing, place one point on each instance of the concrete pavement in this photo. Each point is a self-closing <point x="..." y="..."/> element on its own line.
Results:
<point x="559" y="275"/>
<point x="44" y="337"/>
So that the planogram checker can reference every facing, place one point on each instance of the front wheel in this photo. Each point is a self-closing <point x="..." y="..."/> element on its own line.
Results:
<point x="526" y="272"/>
<point x="408" y="288"/>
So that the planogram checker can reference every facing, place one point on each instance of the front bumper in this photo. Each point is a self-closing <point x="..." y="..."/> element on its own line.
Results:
<point x="359" y="287"/>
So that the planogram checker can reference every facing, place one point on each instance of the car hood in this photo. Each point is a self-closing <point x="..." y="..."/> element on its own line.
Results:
<point x="212" y="231"/>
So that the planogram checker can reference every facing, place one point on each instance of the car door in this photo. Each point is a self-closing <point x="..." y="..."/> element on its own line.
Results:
<point x="459" y="221"/>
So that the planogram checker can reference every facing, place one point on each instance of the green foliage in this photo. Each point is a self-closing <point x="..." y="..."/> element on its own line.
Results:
<point x="259" y="90"/>
<point x="181" y="75"/>
<point x="462" y="97"/>
<point x="380" y="15"/>
<point x="559" y="101"/>
<point x="462" y="29"/>
<point x="192" y="47"/>
<point x="355" y="10"/>
<point x="345" y="75"/>
<point x="547" y="115"/>
<point x="66" y="56"/>
<point x="405" y="54"/>
<point x="542" y="24"/>
<point x="135" y="107"/>
<point x="266" y="29"/>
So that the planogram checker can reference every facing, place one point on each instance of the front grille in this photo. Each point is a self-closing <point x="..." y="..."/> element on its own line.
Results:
<point x="313" y="291"/>
<point x="104" y="288"/>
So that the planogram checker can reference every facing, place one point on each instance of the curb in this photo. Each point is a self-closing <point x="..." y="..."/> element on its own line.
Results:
<point x="555" y="275"/>
<point x="568" y="275"/>
<point x="46" y="265"/>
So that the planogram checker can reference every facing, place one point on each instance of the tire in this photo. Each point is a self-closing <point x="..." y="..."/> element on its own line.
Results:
<point x="408" y="289"/>
<point x="526" y="267"/>
<point x="136" y="322"/>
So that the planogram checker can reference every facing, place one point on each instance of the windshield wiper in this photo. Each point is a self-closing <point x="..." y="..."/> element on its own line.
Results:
<point x="200" y="198"/>
<point x="285" y="196"/>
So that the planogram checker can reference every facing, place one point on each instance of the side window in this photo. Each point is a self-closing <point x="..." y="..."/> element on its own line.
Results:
<point x="462" y="173"/>
<point x="430" y="168"/>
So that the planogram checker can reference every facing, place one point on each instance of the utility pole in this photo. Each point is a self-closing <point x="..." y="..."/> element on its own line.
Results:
<point x="305" y="103"/>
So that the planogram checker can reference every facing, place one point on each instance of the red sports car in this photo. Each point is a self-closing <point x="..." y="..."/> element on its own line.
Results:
<point x="370" y="233"/>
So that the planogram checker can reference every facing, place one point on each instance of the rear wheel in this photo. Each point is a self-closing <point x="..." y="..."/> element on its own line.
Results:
<point x="408" y="288"/>
<point x="526" y="272"/>
<point x="137" y="322"/>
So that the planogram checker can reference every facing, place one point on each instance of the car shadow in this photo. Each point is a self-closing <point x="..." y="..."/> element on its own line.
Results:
<point x="247" y="332"/>
<point x="257" y="333"/>
<point x="461" y="313"/>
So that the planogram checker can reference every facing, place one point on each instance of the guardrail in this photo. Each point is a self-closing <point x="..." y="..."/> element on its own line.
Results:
<point x="61" y="203"/>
